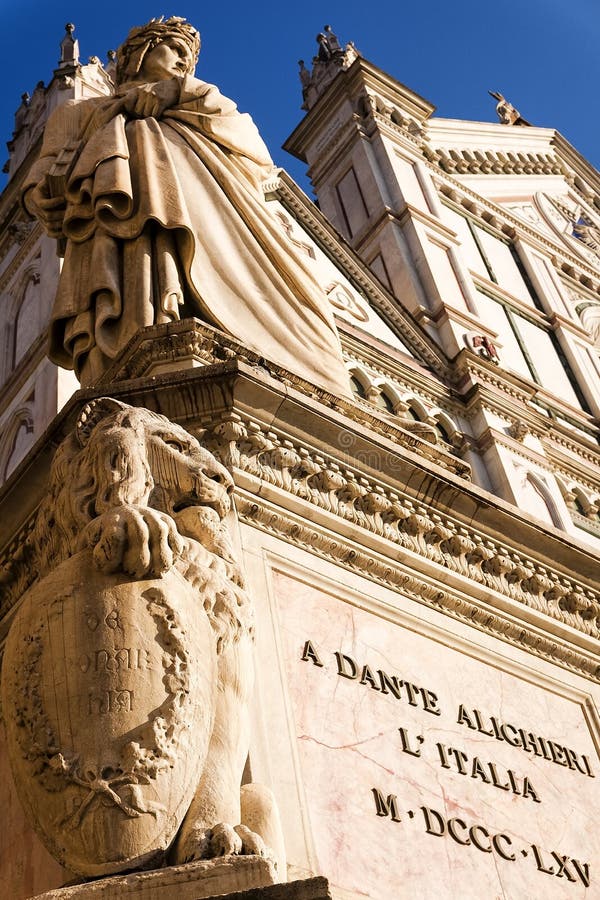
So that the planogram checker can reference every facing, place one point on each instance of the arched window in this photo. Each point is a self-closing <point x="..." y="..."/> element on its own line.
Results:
<point x="384" y="402"/>
<point x="19" y="440"/>
<point x="357" y="388"/>
<point x="27" y="320"/>
<point x="540" y="501"/>
<point x="443" y="433"/>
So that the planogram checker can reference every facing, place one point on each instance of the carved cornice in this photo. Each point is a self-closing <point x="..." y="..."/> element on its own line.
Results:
<point x="173" y="344"/>
<point x="416" y="339"/>
<point x="361" y="78"/>
<point x="390" y="574"/>
<point x="491" y="437"/>
<point x="474" y="371"/>
<point x="250" y="449"/>
<point x="393" y="122"/>
<point x="245" y="446"/>
<point x="563" y="441"/>
<point x="495" y="162"/>
<point x="570" y="475"/>
<point x="403" y="378"/>
<point x="365" y="488"/>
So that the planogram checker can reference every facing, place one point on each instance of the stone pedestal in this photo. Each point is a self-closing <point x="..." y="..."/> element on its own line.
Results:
<point x="240" y="876"/>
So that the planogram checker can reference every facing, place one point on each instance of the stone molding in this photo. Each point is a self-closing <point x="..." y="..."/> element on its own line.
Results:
<point x="246" y="446"/>
<point x="403" y="386"/>
<point x="244" y="876"/>
<point x="190" y="339"/>
<point x="483" y="373"/>
<point x="567" y="469"/>
<point x="393" y="121"/>
<point x="405" y="374"/>
<point x="493" y="621"/>
<point x="495" y="162"/>
<point x="319" y="228"/>
<point x="585" y="453"/>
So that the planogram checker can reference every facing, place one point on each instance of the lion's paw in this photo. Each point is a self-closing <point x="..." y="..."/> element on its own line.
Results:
<point x="239" y="840"/>
<point x="223" y="840"/>
<point x="141" y="541"/>
<point x="252" y="843"/>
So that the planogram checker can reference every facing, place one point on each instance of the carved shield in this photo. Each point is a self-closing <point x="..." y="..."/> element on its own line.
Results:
<point x="108" y="691"/>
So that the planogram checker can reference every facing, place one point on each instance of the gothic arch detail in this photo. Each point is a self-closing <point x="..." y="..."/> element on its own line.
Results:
<point x="17" y="439"/>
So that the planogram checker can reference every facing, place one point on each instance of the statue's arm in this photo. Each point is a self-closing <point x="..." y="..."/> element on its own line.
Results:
<point x="42" y="195"/>
<point x="204" y="98"/>
<point x="151" y="99"/>
<point x="203" y="106"/>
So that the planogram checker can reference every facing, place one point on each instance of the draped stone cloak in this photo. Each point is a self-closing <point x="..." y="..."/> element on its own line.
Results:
<point x="166" y="212"/>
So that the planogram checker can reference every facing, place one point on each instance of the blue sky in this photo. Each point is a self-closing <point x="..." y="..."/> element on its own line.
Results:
<point x="542" y="54"/>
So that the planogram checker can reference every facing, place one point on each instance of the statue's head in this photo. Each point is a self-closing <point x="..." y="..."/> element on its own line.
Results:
<point x="144" y="38"/>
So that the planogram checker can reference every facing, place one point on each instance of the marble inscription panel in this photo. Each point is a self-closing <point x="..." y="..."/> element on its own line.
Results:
<point x="429" y="772"/>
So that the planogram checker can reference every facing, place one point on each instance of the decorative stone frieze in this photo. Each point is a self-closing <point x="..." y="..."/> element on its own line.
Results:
<point x="372" y="107"/>
<point x="496" y="162"/>
<point x="459" y="606"/>
<point x="193" y="342"/>
<point x="249" y="448"/>
<point x="360" y="501"/>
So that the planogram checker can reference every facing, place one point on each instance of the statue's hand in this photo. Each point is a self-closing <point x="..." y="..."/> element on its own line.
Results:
<point x="49" y="210"/>
<point x="138" y="540"/>
<point x="151" y="100"/>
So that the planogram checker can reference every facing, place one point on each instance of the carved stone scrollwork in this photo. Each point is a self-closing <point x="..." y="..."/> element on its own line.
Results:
<point x="324" y="483"/>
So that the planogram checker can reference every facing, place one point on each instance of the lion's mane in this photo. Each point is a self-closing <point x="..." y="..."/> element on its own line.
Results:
<point x="105" y="465"/>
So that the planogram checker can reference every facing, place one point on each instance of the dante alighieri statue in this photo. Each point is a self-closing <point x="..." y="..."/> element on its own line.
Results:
<point x="156" y="193"/>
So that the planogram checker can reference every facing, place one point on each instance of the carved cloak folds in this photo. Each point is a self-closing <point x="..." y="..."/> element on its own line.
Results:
<point x="168" y="215"/>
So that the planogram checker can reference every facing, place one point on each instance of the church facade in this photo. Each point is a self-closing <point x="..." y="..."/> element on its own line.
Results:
<point x="423" y="554"/>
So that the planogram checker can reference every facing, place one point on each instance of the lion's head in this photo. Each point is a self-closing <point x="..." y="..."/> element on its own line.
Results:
<point x="144" y="495"/>
<point x="121" y="456"/>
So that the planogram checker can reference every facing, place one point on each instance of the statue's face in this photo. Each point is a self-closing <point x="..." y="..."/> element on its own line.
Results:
<point x="169" y="58"/>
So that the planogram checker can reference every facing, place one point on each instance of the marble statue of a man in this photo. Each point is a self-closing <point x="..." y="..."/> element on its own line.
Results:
<point x="156" y="192"/>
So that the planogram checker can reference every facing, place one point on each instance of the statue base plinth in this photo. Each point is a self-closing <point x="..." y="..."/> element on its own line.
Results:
<point x="239" y="877"/>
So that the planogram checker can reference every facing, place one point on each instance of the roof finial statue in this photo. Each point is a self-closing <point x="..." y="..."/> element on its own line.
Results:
<point x="506" y="112"/>
<point x="69" y="47"/>
<point x="329" y="45"/>
<point x="331" y="57"/>
<point x="111" y="64"/>
<point x="332" y="41"/>
<point x="304" y="77"/>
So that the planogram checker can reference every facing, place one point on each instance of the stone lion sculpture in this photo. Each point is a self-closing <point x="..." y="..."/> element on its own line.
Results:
<point x="128" y="668"/>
